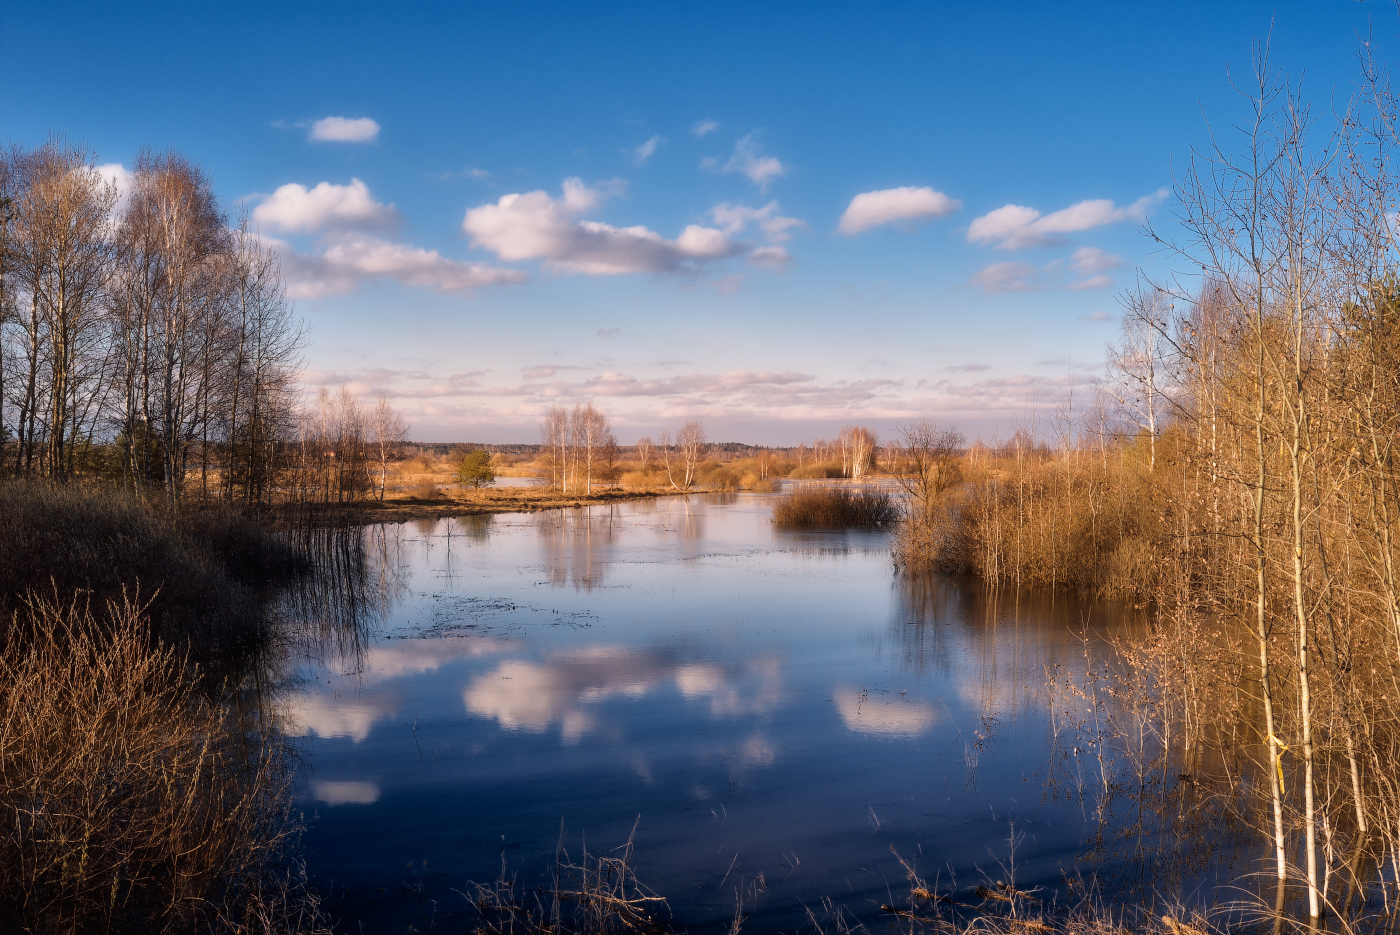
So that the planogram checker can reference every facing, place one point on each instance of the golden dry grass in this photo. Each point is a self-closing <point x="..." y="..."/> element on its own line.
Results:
<point x="129" y="801"/>
<point x="835" y="508"/>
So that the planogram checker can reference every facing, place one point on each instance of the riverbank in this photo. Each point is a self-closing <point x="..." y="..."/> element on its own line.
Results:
<point x="496" y="500"/>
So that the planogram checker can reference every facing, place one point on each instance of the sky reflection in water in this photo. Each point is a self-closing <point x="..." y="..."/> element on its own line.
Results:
<point x="778" y="708"/>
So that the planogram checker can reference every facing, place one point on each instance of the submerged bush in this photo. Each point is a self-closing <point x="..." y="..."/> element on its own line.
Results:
<point x="129" y="801"/>
<point x="835" y="508"/>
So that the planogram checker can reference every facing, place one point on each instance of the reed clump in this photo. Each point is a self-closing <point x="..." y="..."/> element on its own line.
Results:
<point x="129" y="801"/>
<point x="835" y="508"/>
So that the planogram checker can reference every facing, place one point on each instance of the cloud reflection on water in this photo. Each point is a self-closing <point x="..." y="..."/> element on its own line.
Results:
<point x="349" y="705"/>
<point x="892" y="717"/>
<point x="345" y="793"/>
<point x="532" y="696"/>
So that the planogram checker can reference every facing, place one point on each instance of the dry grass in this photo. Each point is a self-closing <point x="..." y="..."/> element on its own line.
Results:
<point x="598" y="895"/>
<point x="129" y="802"/>
<point x="835" y="508"/>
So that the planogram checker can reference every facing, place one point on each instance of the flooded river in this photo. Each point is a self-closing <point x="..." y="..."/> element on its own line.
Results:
<point x="776" y="713"/>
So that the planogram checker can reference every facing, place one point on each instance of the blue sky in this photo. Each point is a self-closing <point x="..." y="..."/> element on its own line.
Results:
<point x="641" y="204"/>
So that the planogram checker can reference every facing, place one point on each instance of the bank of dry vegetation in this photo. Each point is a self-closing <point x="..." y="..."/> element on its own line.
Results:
<point x="1237" y="477"/>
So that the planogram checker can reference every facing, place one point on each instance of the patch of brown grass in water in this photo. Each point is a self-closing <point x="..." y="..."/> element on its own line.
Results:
<point x="598" y="895"/>
<point x="130" y="802"/>
<point x="835" y="508"/>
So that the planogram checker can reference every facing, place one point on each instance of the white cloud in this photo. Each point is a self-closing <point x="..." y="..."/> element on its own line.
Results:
<point x="533" y="225"/>
<point x="115" y="173"/>
<point x="1093" y="264"/>
<point x="1097" y="316"/>
<point x="702" y="127"/>
<point x="294" y="208"/>
<point x="344" y="130"/>
<point x="773" y="257"/>
<point x="1019" y="276"/>
<point x="642" y="153"/>
<point x="871" y="209"/>
<point x="1014" y="227"/>
<point x="748" y="159"/>
<point x="1008" y="277"/>
<point x="1091" y="261"/>
<point x="734" y="218"/>
<point x="343" y="264"/>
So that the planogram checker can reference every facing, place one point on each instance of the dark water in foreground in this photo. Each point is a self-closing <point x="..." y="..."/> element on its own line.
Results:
<point x="774" y="711"/>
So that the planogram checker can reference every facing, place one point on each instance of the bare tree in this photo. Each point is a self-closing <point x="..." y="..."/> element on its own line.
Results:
<point x="690" y="446"/>
<point x="1138" y="361"/>
<point x="554" y="434"/>
<point x="387" y="430"/>
<point x="589" y="430"/>
<point x="61" y="253"/>
<point x="858" y="445"/>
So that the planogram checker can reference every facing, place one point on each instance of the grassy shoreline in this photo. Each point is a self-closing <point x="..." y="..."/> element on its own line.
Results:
<point x="486" y="500"/>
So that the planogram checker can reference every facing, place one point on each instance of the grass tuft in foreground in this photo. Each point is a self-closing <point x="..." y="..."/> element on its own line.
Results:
<point x="130" y="802"/>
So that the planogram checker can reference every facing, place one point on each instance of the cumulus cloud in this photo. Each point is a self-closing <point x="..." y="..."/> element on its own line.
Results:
<point x="114" y="173"/>
<point x="344" y="130"/>
<point x="640" y="154"/>
<point x="294" y="208"/>
<point x="534" y="225"/>
<point x="1015" y="227"/>
<point x="748" y="160"/>
<point x="871" y="209"/>
<point x="340" y="266"/>
<point x="703" y="127"/>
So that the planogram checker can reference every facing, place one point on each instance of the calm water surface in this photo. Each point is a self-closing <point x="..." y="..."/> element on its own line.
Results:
<point x="774" y="712"/>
